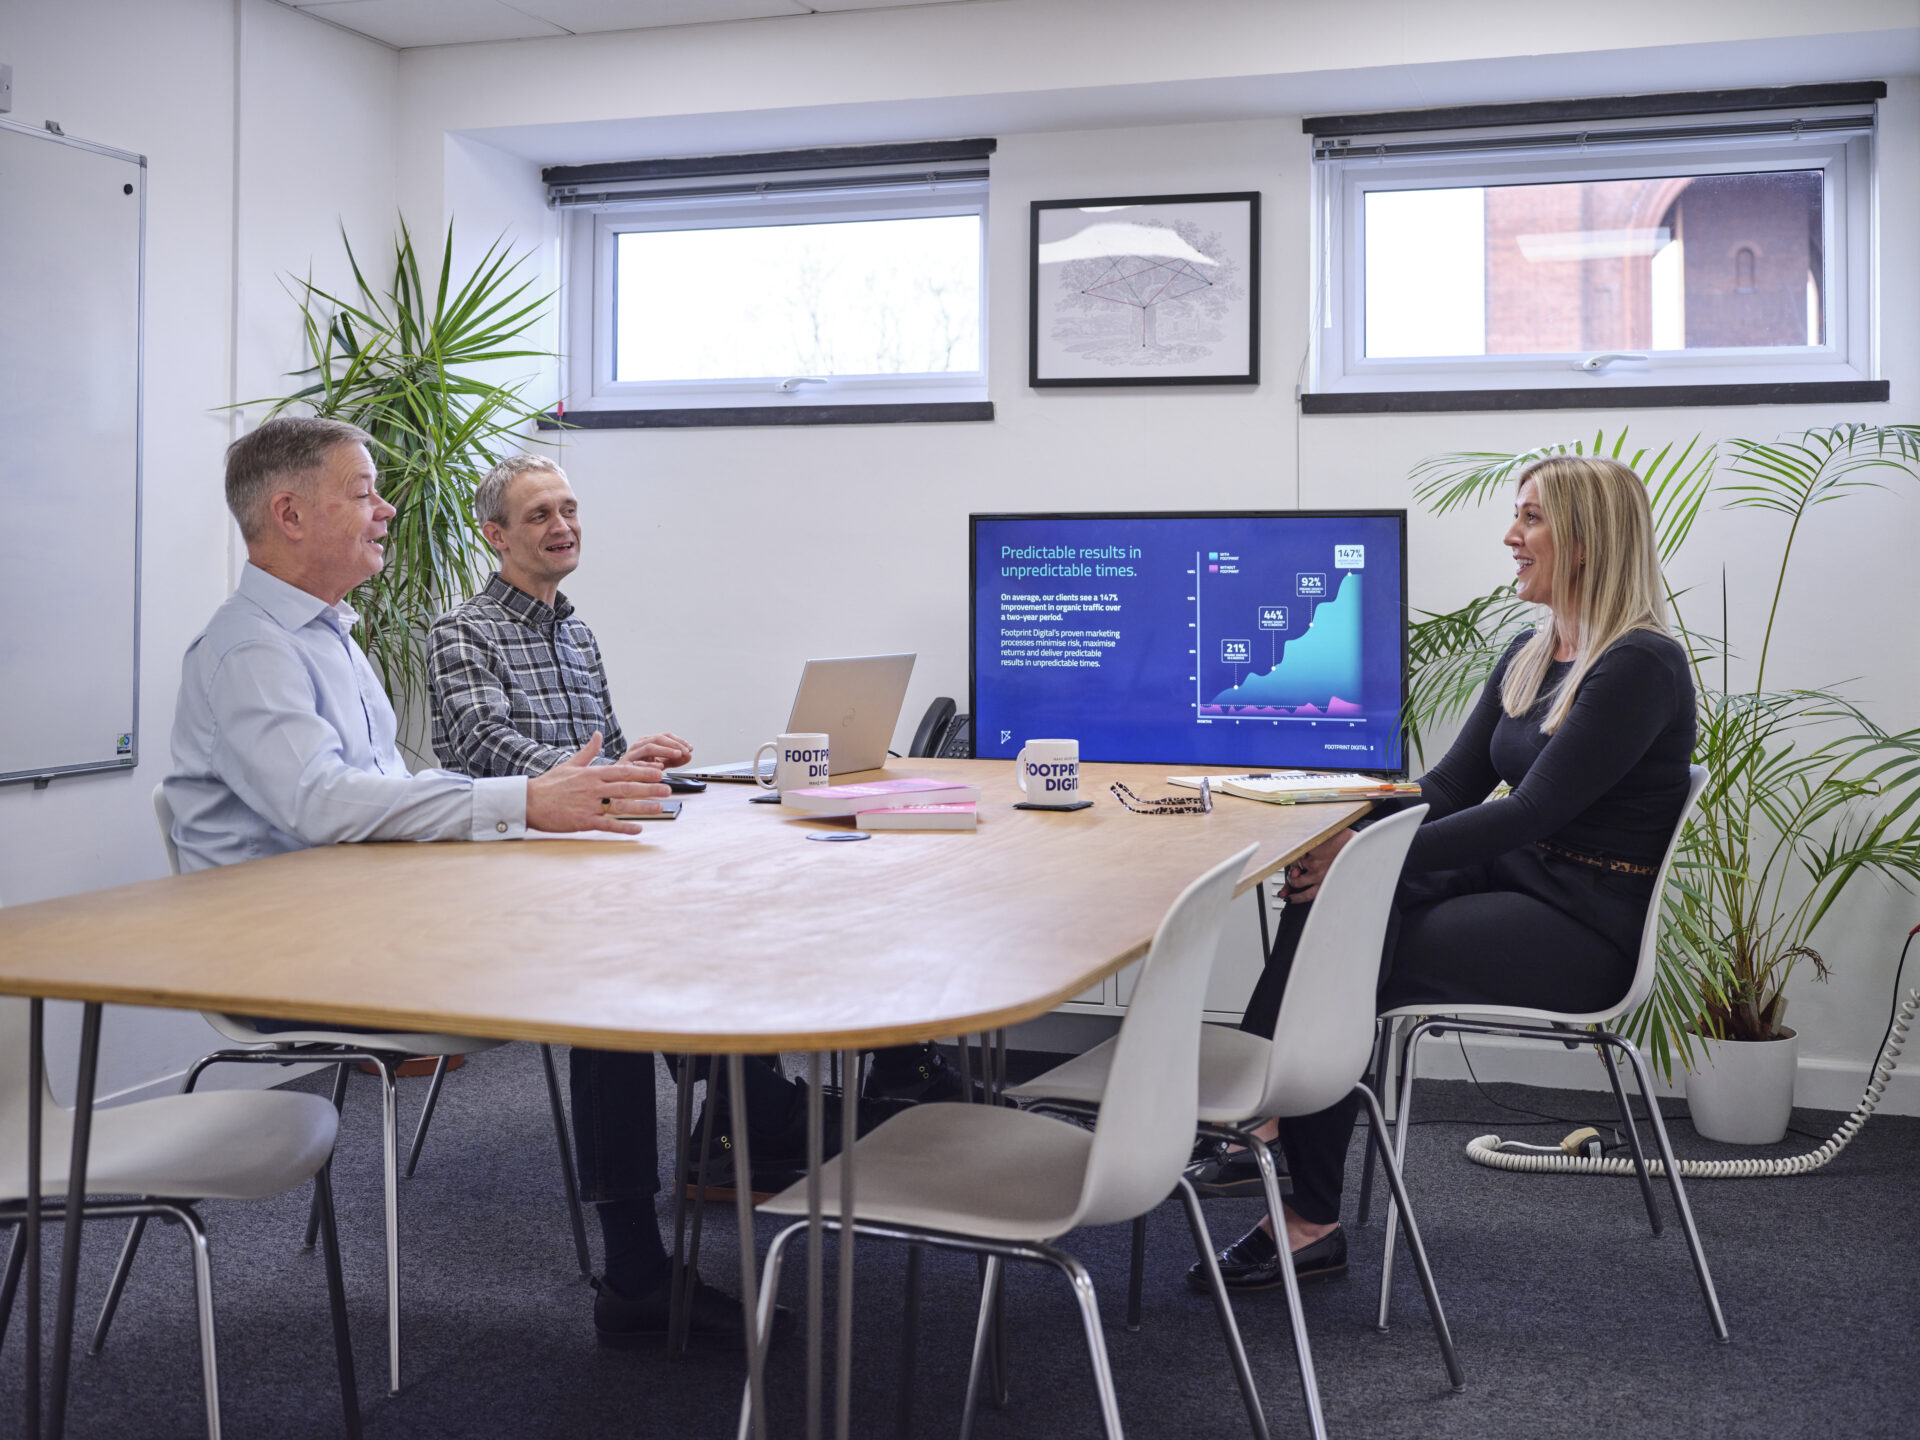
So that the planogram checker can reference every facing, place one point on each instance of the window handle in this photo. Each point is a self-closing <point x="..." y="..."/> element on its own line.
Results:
<point x="1594" y="364"/>
<point x="794" y="382"/>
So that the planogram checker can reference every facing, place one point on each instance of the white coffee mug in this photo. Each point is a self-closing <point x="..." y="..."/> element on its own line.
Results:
<point x="798" y="761"/>
<point x="1049" y="772"/>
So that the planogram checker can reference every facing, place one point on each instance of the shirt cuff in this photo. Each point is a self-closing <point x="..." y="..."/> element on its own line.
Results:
<point x="500" y="808"/>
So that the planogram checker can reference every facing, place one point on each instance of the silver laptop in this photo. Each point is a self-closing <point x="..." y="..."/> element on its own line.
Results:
<point x="855" y="701"/>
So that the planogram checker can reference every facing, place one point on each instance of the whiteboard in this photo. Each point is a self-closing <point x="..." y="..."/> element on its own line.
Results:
<point x="72" y="223"/>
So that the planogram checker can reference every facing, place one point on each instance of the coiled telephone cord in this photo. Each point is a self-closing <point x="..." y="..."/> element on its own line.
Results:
<point x="1485" y="1149"/>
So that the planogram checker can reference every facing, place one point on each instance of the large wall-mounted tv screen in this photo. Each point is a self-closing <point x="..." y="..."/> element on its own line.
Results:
<point x="1265" y="640"/>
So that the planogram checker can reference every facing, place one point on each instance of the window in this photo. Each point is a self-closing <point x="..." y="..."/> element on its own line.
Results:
<point x="1618" y="257"/>
<point x="858" y="287"/>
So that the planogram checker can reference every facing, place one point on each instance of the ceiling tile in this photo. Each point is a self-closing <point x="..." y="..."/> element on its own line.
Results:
<point x="591" y="16"/>
<point x="874" y="4"/>
<point x="405" y="23"/>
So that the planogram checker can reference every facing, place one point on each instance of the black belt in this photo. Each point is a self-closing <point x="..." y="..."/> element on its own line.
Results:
<point x="1598" y="862"/>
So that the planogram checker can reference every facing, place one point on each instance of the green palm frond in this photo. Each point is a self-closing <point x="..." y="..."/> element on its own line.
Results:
<point x="396" y="360"/>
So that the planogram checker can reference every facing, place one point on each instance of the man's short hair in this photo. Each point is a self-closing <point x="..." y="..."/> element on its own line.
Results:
<point x="289" y="447"/>
<point x="490" y="496"/>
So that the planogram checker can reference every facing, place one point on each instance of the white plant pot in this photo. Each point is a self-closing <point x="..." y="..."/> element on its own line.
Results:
<point x="1744" y="1094"/>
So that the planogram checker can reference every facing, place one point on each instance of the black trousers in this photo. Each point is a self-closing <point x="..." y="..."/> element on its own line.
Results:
<point x="1528" y="928"/>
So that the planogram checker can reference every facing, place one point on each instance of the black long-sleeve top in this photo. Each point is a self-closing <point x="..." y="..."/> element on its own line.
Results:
<point x="1609" y="782"/>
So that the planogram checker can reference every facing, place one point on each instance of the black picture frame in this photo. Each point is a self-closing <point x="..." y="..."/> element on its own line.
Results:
<point x="1081" y="348"/>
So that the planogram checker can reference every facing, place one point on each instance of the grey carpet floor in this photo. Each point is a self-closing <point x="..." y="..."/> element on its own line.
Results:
<point x="1570" y="1317"/>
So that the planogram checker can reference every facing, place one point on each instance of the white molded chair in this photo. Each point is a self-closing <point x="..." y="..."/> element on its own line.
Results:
<point x="1518" y="1023"/>
<point x="1003" y="1182"/>
<point x="343" y="1049"/>
<point x="170" y="1152"/>
<point x="1319" y="1051"/>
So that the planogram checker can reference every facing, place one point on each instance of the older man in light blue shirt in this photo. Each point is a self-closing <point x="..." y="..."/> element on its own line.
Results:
<point x="282" y="737"/>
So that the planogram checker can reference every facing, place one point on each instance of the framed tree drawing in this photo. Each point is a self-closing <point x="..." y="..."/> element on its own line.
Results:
<point x="1145" y="290"/>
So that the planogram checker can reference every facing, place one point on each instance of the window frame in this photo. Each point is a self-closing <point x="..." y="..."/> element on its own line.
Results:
<point x="590" y="245"/>
<point x="1342" y="182"/>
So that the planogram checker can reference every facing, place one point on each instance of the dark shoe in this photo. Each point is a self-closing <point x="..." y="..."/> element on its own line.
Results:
<point x="1226" y="1172"/>
<point x="930" y="1079"/>
<point x="715" y="1320"/>
<point x="1253" y="1262"/>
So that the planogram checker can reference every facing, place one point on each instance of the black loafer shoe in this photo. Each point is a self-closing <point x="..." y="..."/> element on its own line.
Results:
<point x="715" y="1320"/>
<point x="1253" y="1262"/>
<point x="1228" y="1173"/>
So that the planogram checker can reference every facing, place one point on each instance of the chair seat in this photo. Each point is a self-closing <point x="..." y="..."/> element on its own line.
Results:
<point x="980" y="1170"/>
<point x="1507" y="1014"/>
<point x="220" y="1144"/>
<point x="1233" y="1077"/>
<point x="242" y="1031"/>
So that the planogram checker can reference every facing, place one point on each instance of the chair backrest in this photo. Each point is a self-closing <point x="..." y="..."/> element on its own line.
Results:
<point x="1144" y="1136"/>
<point x="163" y="812"/>
<point x="1648" y="966"/>
<point x="1324" y="1033"/>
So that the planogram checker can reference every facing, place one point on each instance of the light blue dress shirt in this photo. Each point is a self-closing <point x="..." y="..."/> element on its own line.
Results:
<point x="283" y="738"/>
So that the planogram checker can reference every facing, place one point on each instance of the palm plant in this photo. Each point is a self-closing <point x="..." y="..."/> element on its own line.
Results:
<point x="1808" y="792"/>
<point x="399" y="361"/>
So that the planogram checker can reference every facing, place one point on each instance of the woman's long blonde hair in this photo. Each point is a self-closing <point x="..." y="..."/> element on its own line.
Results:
<point x="1597" y="508"/>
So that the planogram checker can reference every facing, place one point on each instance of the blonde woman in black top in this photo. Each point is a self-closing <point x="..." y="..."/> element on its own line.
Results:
<point x="1538" y="897"/>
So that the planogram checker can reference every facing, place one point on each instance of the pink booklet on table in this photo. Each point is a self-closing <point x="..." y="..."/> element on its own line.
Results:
<point x="829" y="800"/>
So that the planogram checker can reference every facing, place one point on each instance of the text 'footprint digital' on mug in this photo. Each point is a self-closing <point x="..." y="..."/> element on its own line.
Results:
<point x="1049" y="772"/>
<point x="798" y="761"/>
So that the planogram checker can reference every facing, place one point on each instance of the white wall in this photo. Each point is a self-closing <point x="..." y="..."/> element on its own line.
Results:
<point x="705" y="636"/>
<point x="305" y="140"/>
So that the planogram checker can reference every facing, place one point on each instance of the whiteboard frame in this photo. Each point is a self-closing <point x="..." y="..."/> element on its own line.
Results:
<point x="40" y="776"/>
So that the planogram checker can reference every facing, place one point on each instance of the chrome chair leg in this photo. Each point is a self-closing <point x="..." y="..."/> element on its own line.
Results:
<point x="982" y="1338"/>
<point x="1396" y="1184"/>
<point x="1223" y="1307"/>
<point x="700" y="1191"/>
<point x="426" y="1112"/>
<point x="117" y="1284"/>
<point x="763" y="1320"/>
<point x="1082" y="1283"/>
<point x="1672" y="1166"/>
<point x="743" y="1216"/>
<point x="1296" y="1312"/>
<point x="339" y="1098"/>
<point x="1376" y="1071"/>
<point x="1633" y="1137"/>
<point x="568" y="1178"/>
<point x="1402" y="1119"/>
<point x="203" y="1306"/>
<point x="337" y="1301"/>
<point x="390" y="1155"/>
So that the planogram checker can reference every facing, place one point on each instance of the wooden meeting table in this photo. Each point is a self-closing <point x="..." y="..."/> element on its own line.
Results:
<point x="724" y="932"/>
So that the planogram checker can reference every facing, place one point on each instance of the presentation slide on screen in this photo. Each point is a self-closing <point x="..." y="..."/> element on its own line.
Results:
<point x="1216" y="640"/>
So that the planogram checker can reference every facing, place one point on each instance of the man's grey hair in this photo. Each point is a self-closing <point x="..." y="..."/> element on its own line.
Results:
<point x="490" y="496"/>
<point x="290" y="448"/>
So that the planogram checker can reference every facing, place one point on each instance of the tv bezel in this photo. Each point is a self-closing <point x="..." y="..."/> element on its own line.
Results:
<point x="973" y="596"/>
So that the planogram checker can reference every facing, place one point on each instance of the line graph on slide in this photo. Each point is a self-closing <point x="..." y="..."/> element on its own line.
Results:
<point x="1290" y="656"/>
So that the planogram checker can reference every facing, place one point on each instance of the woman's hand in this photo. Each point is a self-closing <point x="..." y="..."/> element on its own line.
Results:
<point x="1306" y="873"/>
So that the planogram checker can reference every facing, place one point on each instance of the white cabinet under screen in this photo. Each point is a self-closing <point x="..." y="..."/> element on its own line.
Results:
<point x="1236" y="967"/>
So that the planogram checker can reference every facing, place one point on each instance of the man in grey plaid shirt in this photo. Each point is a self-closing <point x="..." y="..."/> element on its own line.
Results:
<point x="517" y="685"/>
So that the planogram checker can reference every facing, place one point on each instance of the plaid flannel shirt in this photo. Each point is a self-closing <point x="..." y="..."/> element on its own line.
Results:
<point x="516" y="685"/>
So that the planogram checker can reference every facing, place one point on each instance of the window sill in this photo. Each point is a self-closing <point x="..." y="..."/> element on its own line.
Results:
<point x="713" y="417"/>
<point x="1613" y="397"/>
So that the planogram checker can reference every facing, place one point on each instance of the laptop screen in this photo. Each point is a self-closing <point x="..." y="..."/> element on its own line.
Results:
<point x="1198" y="638"/>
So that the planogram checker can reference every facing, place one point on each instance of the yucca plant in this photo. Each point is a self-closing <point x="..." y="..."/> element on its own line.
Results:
<point x="1808" y="792"/>
<point x="398" y="361"/>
